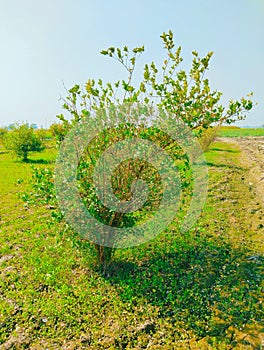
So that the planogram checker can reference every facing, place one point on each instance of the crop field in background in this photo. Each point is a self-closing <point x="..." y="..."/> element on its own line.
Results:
<point x="198" y="290"/>
<point x="240" y="132"/>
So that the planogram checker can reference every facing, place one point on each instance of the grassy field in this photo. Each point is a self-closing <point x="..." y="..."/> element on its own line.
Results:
<point x="239" y="132"/>
<point x="199" y="290"/>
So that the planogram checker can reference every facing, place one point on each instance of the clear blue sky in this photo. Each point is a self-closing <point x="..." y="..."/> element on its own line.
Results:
<point x="46" y="43"/>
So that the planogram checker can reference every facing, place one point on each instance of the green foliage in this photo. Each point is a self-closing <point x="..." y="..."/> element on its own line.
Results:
<point x="59" y="130"/>
<point x="43" y="191"/>
<point x="122" y="178"/>
<point x="208" y="136"/>
<point x="42" y="182"/>
<point x="22" y="140"/>
<point x="3" y="132"/>
<point x="43" y="134"/>
<point x="186" y="95"/>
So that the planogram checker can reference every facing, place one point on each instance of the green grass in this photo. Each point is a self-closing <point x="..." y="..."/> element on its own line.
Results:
<point x="198" y="290"/>
<point x="232" y="132"/>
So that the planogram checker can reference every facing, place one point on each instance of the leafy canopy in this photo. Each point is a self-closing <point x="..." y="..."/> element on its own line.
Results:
<point x="186" y="94"/>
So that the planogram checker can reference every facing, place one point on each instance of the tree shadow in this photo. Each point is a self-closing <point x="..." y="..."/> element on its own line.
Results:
<point x="209" y="286"/>
<point x="224" y="150"/>
<point x="224" y="166"/>
<point x="38" y="161"/>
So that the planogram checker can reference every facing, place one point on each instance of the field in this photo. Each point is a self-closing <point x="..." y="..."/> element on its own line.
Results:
<point x="198" y="290"/>
<point x="239" y="132"/>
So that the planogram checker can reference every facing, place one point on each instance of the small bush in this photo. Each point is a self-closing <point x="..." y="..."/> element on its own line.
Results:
<point x="22" y="140"/>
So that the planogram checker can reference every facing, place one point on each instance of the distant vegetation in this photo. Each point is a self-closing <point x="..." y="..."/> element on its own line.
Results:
<point x="233" y="131"/>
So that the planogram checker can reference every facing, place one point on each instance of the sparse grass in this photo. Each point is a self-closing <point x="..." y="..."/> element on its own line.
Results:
<point x="199" y="290"/>
<point x="239" y="132"/>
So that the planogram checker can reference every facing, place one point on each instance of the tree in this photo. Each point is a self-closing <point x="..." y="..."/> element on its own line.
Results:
<point x="22" y="140"/>
<point x="186" y="95"/>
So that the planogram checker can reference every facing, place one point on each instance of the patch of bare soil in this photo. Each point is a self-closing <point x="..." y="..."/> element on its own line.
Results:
<point x="252" y="156"/>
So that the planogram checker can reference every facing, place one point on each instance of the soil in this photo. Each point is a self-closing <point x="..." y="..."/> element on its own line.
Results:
<point x="252" y="156"/>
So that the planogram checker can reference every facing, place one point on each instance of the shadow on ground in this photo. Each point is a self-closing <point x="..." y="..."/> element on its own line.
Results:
<point x="209" y="286"/>
<point x="37" y="161"/>
<point x="217" y="165"/>
<point x="224" y="150"/>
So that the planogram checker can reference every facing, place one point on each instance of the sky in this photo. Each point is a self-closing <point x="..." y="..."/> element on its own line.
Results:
<point x="49" y="45"/>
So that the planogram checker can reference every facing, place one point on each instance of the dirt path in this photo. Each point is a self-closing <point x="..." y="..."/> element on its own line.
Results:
<point x="253" y="156"/>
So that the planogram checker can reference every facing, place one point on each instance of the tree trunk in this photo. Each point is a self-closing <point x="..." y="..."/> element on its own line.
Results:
<point x="104" y="255"/>
<point x="25" y="157"/>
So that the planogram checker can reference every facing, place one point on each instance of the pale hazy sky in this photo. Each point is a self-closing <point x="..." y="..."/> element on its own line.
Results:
<point x="46" y="43"/>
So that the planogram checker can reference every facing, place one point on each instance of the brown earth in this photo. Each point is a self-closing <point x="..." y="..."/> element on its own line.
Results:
<point x="252" y="156"/>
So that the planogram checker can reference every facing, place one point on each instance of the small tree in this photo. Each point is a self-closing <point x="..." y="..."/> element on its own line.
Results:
<point x="186" y="95"/>
<point x="22" y="140"/>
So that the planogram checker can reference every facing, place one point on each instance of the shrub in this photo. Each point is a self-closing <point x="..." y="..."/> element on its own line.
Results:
<point x="186" y="95"/>
<point x="22" y="140"/>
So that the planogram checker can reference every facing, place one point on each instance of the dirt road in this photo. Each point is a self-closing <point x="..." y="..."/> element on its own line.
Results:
<point x="253" y="156"/>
